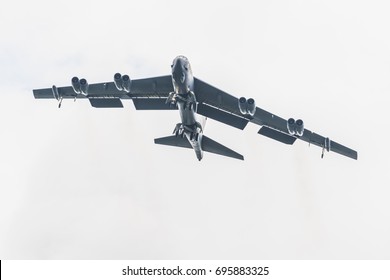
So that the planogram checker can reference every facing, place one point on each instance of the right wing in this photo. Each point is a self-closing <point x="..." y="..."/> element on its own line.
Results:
<point x="221" y="106"/>
<point x="147" y="94"/>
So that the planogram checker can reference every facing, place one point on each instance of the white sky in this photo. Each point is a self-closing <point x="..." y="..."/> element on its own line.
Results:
<point x="85" y="183"/>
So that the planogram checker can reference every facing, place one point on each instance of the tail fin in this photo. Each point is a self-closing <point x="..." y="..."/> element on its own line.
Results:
<point x="211" y="146"/>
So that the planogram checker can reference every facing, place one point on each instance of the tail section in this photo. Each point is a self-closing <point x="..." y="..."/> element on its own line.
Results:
<point x="207" y="145"/>
<point x="211" y="146"/>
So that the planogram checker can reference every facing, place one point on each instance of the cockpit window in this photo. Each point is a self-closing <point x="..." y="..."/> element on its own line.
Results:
<point x="183" y="57"/>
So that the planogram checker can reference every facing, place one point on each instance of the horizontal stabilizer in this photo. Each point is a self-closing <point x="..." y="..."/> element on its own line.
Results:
<point x="106" y="102"/>
<point x="173" y="140"/>
<point x="277" y="135"/>
<point x="209" y="145"/>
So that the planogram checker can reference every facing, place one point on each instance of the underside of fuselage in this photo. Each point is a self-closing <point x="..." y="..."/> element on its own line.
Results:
<point x="190" y="129"/>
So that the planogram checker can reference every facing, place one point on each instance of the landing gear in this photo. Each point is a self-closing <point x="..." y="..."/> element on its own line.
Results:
<point x="326" y="146"/>
<point x="177" y="129"/>
<point x="180" y="130"/>
<point x="60" y="102"/>
<point x="194" y="136"/>
<point x="170" y="98"/>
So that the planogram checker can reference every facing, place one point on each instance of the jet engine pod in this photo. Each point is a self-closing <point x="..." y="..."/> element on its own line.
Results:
<point x="247" y="107"/>
<point x="251" y="107"/>
<point x="118" y="81"/>
<point x="76" y="85"/>
<point x="126" y="82"/>
<point x="299" y="127"/>
<point x="242" y="105"/>
<point x="295" y="127"/>
<point x="84" y="86"/>
<point x="291" y="126"/>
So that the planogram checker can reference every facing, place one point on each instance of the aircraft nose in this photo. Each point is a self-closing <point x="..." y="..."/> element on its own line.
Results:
<point x="178" y="71"/>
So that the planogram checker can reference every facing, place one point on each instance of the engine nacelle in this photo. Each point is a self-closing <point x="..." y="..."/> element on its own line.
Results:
<point x="126" y="83"/>
<point x="299" y="128"/>
<point x="251" y="107"/>
<point x="84" y="86"/>
<point x="247" y="107"/>
<point x="295" y="127"/>
<point x="118" y="81"/>
<point x="242" y="105"/>
<point x="76" y="85"/>
<point x="291" y="126"/>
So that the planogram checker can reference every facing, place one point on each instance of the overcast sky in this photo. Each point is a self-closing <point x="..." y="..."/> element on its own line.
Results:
<point x="86" y="183"/>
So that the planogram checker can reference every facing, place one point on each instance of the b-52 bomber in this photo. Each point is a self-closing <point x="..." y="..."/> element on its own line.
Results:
<point x="196" y="101"/>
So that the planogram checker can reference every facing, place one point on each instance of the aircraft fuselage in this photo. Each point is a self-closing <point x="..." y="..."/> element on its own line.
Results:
<point x="184" y="97"/>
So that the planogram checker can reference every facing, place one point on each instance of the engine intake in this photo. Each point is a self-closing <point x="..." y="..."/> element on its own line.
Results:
<point x="76" y="85"/>
<point x="126" y="83"/>
<point x="118" y="81"/>
<point x="242" y="105"/>
<point x="84" y="86"/>
<point x="295" y="127"/>
<point x="291" y="126"/>
<point x="299" y="128"/>
<point x="247" y="106"/>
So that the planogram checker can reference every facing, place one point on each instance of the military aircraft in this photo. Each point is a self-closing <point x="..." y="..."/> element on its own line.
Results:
<point x="196" y="101"/>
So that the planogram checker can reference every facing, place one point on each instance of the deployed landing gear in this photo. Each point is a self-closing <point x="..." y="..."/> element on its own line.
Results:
<point x="326" y="146"/>
<point x="60" y="102"/>
<point x="170" y="98"/>
<point x="179" y="130"/>
<point x="194" y="136"/>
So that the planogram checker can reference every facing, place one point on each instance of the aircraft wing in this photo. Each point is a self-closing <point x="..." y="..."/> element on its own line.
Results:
<point x="151" y="94"/>
<point x="223" y="107"/>
<point x="147" y="94"/>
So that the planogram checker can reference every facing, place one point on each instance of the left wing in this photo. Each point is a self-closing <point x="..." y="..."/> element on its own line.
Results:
<point x="223" y="107"/>
<point x="147" y="94"/>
